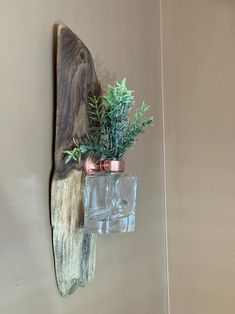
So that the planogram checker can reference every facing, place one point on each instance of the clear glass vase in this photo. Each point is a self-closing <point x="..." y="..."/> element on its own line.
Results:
<point x="109" y="202"/>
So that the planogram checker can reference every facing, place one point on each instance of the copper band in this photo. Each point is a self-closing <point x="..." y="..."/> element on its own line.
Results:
<point x="91" y="167"/>
<point x="112" y="165"/>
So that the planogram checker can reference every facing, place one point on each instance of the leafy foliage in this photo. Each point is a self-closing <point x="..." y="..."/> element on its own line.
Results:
<point x="111" y="133"/>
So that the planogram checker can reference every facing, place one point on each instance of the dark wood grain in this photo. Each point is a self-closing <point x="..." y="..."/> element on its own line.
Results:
<point x="76" y="80"/>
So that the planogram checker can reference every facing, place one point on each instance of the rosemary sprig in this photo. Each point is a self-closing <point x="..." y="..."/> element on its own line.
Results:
<point x="111" y="133"/>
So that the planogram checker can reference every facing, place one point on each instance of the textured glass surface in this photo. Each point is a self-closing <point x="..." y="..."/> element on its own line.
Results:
<point x="110" y="203"/>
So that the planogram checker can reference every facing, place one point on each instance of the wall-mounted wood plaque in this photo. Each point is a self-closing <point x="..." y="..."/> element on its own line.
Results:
<point x="76" y="80"/>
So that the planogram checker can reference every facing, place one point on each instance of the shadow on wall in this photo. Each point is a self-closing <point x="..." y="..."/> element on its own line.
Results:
<point x="105" y="77"/>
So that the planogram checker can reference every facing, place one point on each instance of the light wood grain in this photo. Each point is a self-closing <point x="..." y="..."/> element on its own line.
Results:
<point x="75" y="250"/>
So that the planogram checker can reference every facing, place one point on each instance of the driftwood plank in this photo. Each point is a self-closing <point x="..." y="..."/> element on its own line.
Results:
<point x="74" y="249"/>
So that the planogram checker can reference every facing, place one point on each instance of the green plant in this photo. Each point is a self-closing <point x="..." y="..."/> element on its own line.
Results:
<point x="111" y="132"/>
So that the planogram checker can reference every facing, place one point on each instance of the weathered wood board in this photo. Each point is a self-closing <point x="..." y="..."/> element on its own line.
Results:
<point x="74" y="249"/>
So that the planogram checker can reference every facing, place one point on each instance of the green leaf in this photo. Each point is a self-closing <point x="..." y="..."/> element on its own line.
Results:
<point x="68" y="152"/>
<point x="68" y="159"/>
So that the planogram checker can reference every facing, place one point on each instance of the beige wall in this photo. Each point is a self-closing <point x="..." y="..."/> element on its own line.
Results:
<point x="130" y="275"/>
<point x="199" y="84"/>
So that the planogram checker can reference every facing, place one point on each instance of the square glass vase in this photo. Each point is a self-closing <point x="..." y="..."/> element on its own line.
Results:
<point x="109" y="202"/>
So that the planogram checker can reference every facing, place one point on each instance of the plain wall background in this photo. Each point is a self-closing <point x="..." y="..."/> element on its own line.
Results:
<point x="125" y="36"/>
<point x="199" y="85"/>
